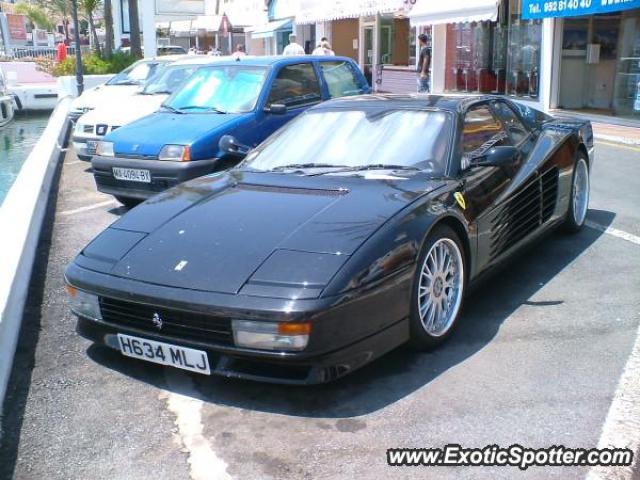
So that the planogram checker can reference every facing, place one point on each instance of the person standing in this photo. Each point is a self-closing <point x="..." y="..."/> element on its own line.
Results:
<point x="239" y="53"/>
<point x="293" y="48"/>
<point x="323" y="49"/>
<point x="424" y="63"/>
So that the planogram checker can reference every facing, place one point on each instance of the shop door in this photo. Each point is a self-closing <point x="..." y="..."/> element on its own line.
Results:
<point x="368" y="54"/>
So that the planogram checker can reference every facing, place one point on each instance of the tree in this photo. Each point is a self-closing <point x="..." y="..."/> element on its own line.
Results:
<point x="59" y="10"/>
<point x="36" y="15"/>
<point x="89" y="7"/>
<point x="108" y="29"/>
<point x="134" y="28"/>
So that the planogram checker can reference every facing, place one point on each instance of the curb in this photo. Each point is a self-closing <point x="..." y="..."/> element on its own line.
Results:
<point x="21" y="216"/>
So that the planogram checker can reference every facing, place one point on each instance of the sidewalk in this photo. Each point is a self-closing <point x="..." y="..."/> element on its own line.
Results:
<point x="616" y="133"/>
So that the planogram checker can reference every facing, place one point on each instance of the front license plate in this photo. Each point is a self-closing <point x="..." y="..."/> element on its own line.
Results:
<point x="91" y="147"/>
<point x="132" y="174"/>
<point x="164" y="354"/>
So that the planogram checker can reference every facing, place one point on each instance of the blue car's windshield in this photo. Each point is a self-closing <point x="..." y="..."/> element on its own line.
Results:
<point x="224" y="88"/>
<point x="358" y="139"/>
<point x="136" y="74"/>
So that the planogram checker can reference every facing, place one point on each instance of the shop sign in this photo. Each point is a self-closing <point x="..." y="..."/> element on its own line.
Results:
<point x="17" y="27"/>
<point x="537" y="9"/>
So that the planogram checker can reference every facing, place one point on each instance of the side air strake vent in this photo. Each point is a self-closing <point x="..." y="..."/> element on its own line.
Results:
<point x="529" y="208"/>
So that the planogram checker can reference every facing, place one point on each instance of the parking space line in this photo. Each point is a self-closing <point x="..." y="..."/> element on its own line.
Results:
<point x="203" y="461"/>
<point x="88" y="207"/>
<point x="622" y="426"/>
<point x="627" y="146"/>
<point x="629" y="237"/>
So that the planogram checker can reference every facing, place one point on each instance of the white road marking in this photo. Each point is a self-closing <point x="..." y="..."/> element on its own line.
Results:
<point x="203" y="461"/>
<point x="622" y="427"/>
<point x="88" y="207"/>
<point x="614" y="232"/>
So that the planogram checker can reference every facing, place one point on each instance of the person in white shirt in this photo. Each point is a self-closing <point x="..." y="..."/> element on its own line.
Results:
<point x="323" y="49"/>
<point x="293" y="48"/>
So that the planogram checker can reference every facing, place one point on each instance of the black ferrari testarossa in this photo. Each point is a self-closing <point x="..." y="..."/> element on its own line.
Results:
<point x="356" y="228"/>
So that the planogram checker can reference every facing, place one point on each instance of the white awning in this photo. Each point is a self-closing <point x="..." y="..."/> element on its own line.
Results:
<point x="181" y="28"/>
<point x="312" y="11"/>
<point x="433" y="12"/>
<point x="269" y="29"/>
<point x="210" y="23"/>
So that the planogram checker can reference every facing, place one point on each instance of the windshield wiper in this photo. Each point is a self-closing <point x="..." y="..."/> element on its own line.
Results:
<point x="156" y="92"/>
<point x="294" y="166"/>
<point x="374" y="166"/>
<point x="172" y="109"/>
<point x="199" y="107"/>
<point x="126" y="82"/>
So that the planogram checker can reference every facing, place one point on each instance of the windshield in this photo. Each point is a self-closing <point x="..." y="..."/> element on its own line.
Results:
<point x="135" y="74"/>
<point x="358" y="139"/>
<point x="226" y="89"/>
<point x="169" y="79"/>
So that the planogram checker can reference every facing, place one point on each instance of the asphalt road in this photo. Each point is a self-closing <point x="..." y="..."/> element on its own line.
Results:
<point x="536" y="361"/>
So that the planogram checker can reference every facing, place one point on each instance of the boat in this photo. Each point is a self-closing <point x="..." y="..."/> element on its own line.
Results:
<point x="6" y="102"/>
<point x="32" y="89"/>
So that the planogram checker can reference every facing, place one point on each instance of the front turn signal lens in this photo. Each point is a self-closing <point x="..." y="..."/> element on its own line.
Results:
<point x="285" y="336"/>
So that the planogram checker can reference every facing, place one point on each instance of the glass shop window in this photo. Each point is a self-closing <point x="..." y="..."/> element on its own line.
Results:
<point x="523" y="54"/>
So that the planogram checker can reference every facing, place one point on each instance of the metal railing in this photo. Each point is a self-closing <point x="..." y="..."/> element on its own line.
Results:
<point x="22" y="53"/>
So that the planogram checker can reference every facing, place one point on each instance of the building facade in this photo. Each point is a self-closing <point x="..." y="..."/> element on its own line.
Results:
<point x="577" y="56"/>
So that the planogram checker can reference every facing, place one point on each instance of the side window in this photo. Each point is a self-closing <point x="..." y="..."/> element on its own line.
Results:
<point x="295" y="85"/>
<point x="481" y="131"/>
<point x="515" y="129"/>
<point x="341" y="79"/>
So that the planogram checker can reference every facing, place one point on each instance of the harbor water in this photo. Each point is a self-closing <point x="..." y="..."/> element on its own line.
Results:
<point x="16" y="142"/>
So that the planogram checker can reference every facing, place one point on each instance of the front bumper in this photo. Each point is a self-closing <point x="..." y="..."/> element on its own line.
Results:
<point x="347" y="331"/>
<point x="164" y="175"/>
<point x="85" y="147"/>
<point x="266" y="366"/>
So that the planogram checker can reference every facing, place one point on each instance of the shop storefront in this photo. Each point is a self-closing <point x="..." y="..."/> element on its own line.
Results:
<point x="557" y="54"/>
<point x="274" y="35"/>
<point x="375" y="33"/>
<point x="599" y="64"/>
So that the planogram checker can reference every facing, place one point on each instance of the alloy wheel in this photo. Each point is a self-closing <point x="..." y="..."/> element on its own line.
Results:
<point x="440" y="287"/>
<point x="580" y="191"/>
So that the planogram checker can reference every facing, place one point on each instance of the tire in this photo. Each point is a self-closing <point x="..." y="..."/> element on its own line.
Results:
<point x="426" y="332"/>
<point x="579" y="201"/>
<point x="129" y="202"/>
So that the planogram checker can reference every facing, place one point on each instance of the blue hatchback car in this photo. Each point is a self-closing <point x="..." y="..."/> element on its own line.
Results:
<point x="248" y="99"/>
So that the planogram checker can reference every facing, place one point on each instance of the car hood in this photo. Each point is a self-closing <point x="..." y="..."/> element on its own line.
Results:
<point x="219" y="232"/>
<point x="103" y="95"/>
<point x="148" y="135"/>
<point x="137" y="106"/>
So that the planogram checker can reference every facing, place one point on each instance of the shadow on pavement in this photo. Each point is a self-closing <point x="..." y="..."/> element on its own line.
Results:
<point x="12" y="411"/>
<point x="401" y="372"/>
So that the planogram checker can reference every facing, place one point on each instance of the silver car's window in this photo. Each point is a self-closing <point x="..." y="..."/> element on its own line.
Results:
<point x="357" y="138"/>
<point x="169" y="79"/>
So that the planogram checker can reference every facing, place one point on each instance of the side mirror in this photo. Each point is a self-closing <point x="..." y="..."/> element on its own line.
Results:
<point x="497" y="157"/>
<point x="276" y="109"/>
<point x="230" y="146"/>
